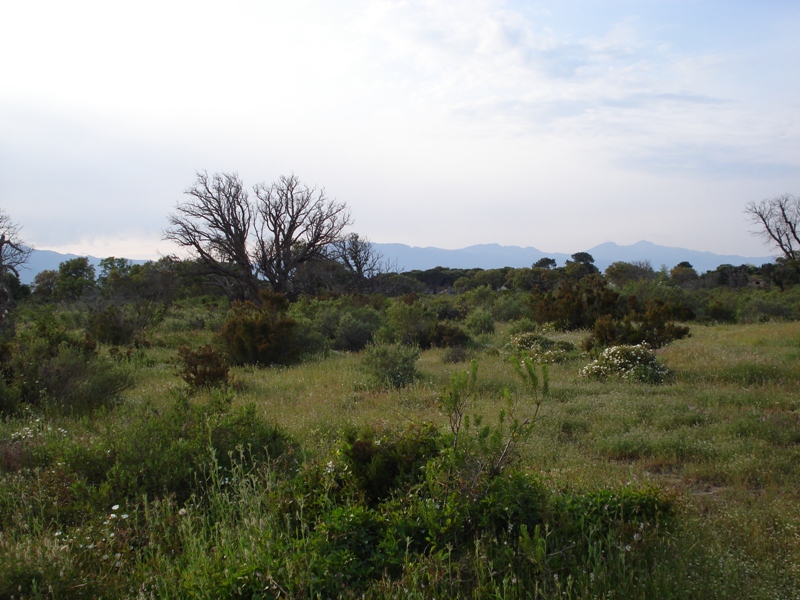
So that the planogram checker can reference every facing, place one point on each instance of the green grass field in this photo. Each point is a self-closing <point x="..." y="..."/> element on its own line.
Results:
<point x="87" y="510"/>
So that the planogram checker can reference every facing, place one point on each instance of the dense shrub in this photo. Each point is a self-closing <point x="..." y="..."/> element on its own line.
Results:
<point x="391" y="365"/>
<point x="55" y="370"/>
<point x="410" y="322"/>
<point x="653" y="327"/>
<point x="111" y="326"/>
<point x="523" y="325"/>
<point x="448" y="335"/>
<point x="542" y="349"/>
<point x="480" y="321"/>
<point x="163" y="453"/>
<point x="204" y="367"/>
<point x="636" y="363"/>
<point x="260" y="334"/>
<point x="382" y="464"/>
<point x="577" y="304"/>
<point x="346" y="323"/>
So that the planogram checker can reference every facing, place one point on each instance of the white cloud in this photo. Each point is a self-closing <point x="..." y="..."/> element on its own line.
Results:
<point x="441" y="122"/>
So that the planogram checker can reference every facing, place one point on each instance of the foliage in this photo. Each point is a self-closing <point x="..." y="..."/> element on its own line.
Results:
<point x="480" y="321"/>
<point x="111" y="326"/>
<point x="652" y="327"/>
<point x="410" y="321"/>
<point x="204" y="367"/>
<point x="75" y="276"/>
<point x="380" y="464"/>
<point x="635" y="363"/>
<point x="260" y="334"/>
<point x="391" y="365"/>
<point x="540" y="348"/>
<point x="49" y="368"/>
<point x="346" y="323"/>
<point x="577" y="304"/>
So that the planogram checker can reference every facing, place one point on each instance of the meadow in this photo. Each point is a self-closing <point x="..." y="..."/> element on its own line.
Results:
<point x="309" y="480"/>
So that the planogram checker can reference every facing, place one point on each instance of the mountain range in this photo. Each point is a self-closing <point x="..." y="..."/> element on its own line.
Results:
<point x="486" y="256"/>
<point x="495" y="256"/>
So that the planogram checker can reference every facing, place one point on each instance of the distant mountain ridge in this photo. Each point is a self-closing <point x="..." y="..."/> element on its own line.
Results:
<point x="484" y="256"/>
<point x="495" y="256"/>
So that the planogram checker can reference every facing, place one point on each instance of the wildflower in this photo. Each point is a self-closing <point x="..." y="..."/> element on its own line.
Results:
<point x="115" y="507"/>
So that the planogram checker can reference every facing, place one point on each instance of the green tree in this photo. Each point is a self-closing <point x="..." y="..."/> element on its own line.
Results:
<point x="619" y="273"/>
<point x="75" y="277"/>
<point x="581" y="265"/>
<point x="683" y="273"/>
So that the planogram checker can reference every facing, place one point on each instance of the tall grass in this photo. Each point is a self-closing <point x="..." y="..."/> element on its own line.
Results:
<point x="719" y="443"/>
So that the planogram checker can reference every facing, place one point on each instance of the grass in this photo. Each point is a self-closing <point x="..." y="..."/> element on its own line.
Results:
<point x="721" y="441"/>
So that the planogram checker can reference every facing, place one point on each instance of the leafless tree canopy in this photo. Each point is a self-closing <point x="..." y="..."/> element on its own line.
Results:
<point x="777" y="220"/>
<point x="13" y="251"/>
<point x="240" y="241"/>
<point x="359" y="256"/>
<point x="215" y="223"/>
<point x="297" y="224"/>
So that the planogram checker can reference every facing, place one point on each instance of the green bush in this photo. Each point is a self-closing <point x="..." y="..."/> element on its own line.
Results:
<point x="448" y="335"/>
<point x="163" y="453"/>
<point x="653" y="326"/>
<point x="479" y="321"/>
<point x="384" y="464"/>
<point x="391" y="365"/>
<point x="111" y="326"/>
<point x="409" y="321"/>
<point x="260" y="334"/>
<point x="523" y="325"/>
<point x="204" y="367"/>
<point x="67" y="377"/>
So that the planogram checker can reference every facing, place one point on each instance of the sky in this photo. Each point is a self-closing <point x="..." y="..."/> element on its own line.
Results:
<point x="554" y="124"/>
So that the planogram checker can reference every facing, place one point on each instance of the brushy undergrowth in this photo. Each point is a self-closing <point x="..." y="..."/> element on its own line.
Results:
<point x="391" y="365"/>
<point x="498" y="481"/>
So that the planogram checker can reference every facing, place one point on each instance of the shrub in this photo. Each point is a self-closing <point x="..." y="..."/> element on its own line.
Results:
<point x="455" y="354"/>
<point x="204" y="367"/>
<point x="636" y="363"/>
<point x="542" y="349"/>
<point x="446" y="335"/>
<point x="260" y="334"/>
<point x="383" y="464"/>
<point x="480" y="321"/>
<point x="355" y="329"/>
<point x="410" y="323"/>
<point x="523" y="325"/>
<point x="56" y="372"/>
<point x="653" y="327"/>
<point x="111" y="326"/>
<point x="162" y="453"/>
<point x="391" y="365"/>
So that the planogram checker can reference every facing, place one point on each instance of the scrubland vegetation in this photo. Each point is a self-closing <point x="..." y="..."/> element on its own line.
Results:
<point x="179" y="429"/>
<point x="457" y="445"/>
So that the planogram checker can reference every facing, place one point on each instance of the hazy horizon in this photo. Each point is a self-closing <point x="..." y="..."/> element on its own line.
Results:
<point x="558" y="125"/>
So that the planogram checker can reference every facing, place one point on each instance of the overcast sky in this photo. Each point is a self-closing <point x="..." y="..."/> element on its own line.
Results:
<point x="554" y="124"/>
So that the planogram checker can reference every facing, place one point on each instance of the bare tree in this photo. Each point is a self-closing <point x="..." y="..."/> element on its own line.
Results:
<point x="13" y="251"/>
<point x="778" y="222"/>
<point x="360" y="257"/>
<point x="238" y="240"/>
<point x="216" y="223"/>
<point x="297" y="224"/>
